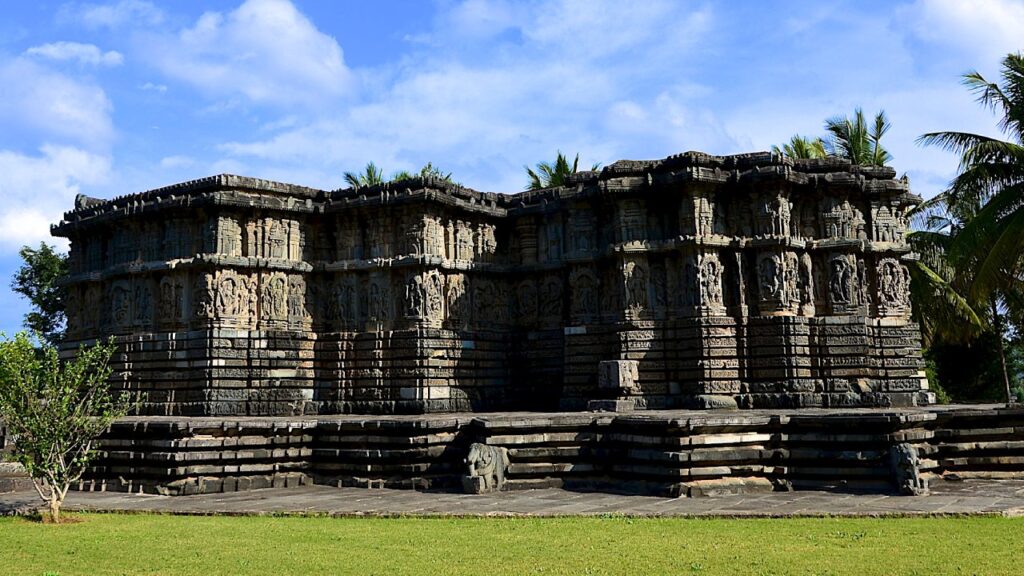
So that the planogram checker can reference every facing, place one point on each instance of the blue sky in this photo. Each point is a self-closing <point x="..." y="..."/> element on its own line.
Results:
<point x="112" y="98"/>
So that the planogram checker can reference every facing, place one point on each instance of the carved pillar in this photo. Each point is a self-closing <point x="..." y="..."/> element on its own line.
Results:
<point x="526" y="229"/>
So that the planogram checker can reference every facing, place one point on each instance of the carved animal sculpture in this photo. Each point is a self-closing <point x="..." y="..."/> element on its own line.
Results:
<point x="486" y="467"/>
<point x="904" y="463"/>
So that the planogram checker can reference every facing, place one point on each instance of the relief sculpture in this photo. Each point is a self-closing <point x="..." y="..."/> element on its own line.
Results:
<point x="718" y="276"/>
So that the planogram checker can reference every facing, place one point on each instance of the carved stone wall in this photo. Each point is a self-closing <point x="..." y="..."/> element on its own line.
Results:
<point x="772" y="282"/>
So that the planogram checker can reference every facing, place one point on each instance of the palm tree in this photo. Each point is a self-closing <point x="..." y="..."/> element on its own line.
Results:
<point x="854" y="140"/>
<point x="990" y="187"/>
<point x="940" y="286"/>
<point x="802" y="147"/>
<point x="431" y="171"/>
<point x="553" y="174"/>
<point x="370" y="176"/>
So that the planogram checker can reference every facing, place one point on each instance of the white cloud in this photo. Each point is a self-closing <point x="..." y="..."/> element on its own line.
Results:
<point x="521" y="92"/>
<point x="151" y="87"/>
<point x="265" y="50"/>
<point x="49" y="104"/>
<point x="124" y="12"/>
<point x="81" y="53"/>
<point x="177" y="161"/>
<point x="38" y="189"/>
<point x="988" y="29"/>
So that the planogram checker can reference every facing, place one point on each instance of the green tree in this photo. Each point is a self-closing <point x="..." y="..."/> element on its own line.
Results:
<point x="370" y="176"/>
<point x="802" y="147"/>
<point x="428" y="171"/>
<point x="56" y="409"/>
<point x="855" y="140"/>
<point x="37" y="280"/>
<point x="431" y="171"/>
<point x="984" y="248"/>
<point x="549" y="175"/>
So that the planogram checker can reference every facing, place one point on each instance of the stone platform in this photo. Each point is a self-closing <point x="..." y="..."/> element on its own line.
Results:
<point x="665" y="453"/>
<point x="970" y="497"/>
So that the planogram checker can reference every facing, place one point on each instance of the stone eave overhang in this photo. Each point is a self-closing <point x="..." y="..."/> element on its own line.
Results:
<point x="222" y="189"/>
<point x="758" y="169"/>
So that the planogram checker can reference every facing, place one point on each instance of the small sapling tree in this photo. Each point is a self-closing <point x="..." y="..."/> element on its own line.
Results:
<point x="56" y="409"/>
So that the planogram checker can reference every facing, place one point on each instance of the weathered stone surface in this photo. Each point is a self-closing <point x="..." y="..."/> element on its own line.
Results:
<point x="774" y="282"/>
<point x="486" y="467"/>
<point x="671" y="453"/>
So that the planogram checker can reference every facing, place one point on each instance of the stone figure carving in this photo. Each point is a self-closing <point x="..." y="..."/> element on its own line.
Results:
<point x="584" y="294"/>
<point x="120" y="304"/>
<point x="488" y="242"/>
<point x="770" y="281"/>
<point x="434" y="297"/>
<point x="792" y="284"/>
<point x="202" y="297"/>
<point x="659" y="288"/>
<point x="211" y="240"/>
<point x="434" y="237"/>
<point x="526" y="299"/>
<point x="274" y="302"/>
<point x="486" y="467"/>
<point x="277" y="240"/>
<point x="841" y="280"/>
<point x="143" y="304"/>
<point x="379" y="296"/>
<point x="171" y="300"/>
<point x="773" y="216"/>
<point x="861" y="288"/>
<point x="488" y="303"/>
<point x="456" y="299"/>
<point x="343" y="299"/>
<point x="806" y="299"/>
<point x="636" y="287"/>
<point x="711" y="280"/>
<point x="689" y="295"/>
<point x="821" y="282"/>
<point x="463" y="241"/>
<point x="551" y="298"/>
<point x="229" y="300"/>
<point x="893" y="287"/>
<point x="414" y="297"/>
<point x="905" y="466"/>
<point x="93" y="302"/>
<point x="297" y="299"/>
<point x="741" y="280"/>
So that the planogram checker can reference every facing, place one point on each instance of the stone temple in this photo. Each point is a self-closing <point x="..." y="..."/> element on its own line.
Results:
<point x="695" y="281"/>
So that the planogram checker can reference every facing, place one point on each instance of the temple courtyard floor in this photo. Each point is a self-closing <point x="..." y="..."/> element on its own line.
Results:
<point x="969" y="497"/>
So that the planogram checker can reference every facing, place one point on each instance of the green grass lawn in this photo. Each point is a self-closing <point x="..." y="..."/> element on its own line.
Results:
<point x="152" y="544"/>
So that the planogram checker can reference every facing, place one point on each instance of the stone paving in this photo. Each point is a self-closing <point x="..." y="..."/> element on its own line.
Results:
<point x="1001" y="497"/>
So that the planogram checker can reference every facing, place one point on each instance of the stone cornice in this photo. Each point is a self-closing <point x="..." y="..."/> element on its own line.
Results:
<point x="623" y="176"/>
